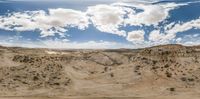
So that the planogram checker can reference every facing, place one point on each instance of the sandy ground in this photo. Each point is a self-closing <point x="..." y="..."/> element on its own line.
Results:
<point x="161" y="72"/>
<point x="158" y="97"/>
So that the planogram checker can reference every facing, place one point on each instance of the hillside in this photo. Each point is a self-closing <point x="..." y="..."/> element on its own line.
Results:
<point x="160" y="72"/>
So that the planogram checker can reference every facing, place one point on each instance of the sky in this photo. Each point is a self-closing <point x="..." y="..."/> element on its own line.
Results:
<point x="99" y="24"/>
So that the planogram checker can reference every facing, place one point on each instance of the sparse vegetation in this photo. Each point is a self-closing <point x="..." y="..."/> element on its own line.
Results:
<point x="90" y="69"/>
<point x="172" y="89"/>
<point x="169" y="75"/>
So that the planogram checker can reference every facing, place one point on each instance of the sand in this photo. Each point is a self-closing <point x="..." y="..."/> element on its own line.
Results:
<point x="160" y="72"/>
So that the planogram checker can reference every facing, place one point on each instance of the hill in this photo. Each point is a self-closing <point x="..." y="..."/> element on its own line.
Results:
<point x="160" y="72"/>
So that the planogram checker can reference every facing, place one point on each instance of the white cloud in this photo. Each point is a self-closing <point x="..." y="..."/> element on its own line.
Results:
<point x="84" y="45"/>
<point x="181" y="27"/>
<point x="169" y="26"/>
<point x="107" y="18"/>
<point x="185" y="26"/>
<point x="57" y="21"/>
<point x="152" y="14"/>
<point x="171" y="30"/>
<point x="155" y="35"/>
<point x="136" y="36"/>
<point x="62" y="44"/>
<point x="139" y="1"/>
<point x="190" y="40"/>
<point x="178" y="40"/>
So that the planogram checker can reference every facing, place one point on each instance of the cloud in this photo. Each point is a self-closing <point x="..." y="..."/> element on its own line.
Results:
<point x="181" y="27"/>
<point x="172" y="29"/>
<point x="84" y="45"/>
<point x="155" y="36"/>
<point x="136" y="36"/>
<point x="107" y="18"/>
<point x="150" y="14"/>
<point x="193" y="39"/>
<point x="110" y="18"/>
<point x="55" y="21"/>
<point x="139" y="1"/>
<point x="62" y="44"/>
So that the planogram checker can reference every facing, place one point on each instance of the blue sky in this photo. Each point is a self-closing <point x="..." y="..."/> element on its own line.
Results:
<point x="99" y="23"/>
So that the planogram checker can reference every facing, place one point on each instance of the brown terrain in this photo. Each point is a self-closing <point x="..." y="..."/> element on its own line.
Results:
<point x="160" y="72"/>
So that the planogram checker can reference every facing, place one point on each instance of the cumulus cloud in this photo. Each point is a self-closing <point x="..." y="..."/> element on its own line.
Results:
<point x="84" y="45"/>
<point x="139" y="1"/>
<point x="181" y="27"/>
<point x="178" y="40"/>
<point x="62" y="44"/>
<point x="107" y="18"/>
<point x="172" y="29"/>
<point x="156" y="35"/>
<point x="55" y="21"/>
<point x="151" y="14"/>
<point x="136" y="36"/>
<point x="193" y="39"/>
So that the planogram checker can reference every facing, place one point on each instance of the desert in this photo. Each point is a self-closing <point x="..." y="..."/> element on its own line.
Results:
<point x="159" y="72"/>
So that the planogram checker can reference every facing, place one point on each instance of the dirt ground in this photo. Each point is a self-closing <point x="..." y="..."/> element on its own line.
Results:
<point x="160" y="72"/>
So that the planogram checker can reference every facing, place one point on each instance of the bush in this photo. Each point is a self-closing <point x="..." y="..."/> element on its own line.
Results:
<point x="172" y="89"/>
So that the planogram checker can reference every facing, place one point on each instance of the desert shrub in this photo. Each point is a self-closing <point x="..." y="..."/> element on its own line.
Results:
<point x="105" y="69"/>
<point x="154" y="62"/>
<point x="111" y="75"/>
<point x="169" y="75"/>
<point x="172" y="89"/>
<point x="155" y="67"/>
<point x="190" y="79"/>
<point x="183" y="79"/>
<point x="166" y="66"/>
<point x="137" y="67"/>
<point x="139" y="73"/>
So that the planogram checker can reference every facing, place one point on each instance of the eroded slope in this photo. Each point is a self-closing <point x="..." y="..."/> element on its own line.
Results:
<point x="161" y="70"/>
